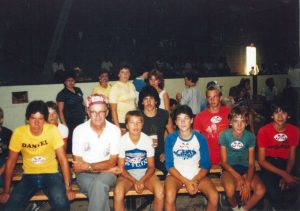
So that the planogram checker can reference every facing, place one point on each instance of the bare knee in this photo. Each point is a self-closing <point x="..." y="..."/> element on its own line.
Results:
<point x="119" y="193"/>
<point x="159" y="193"/>
<point x="229" y="191"/>
<point x="170" y="196"/>
<point x="213" y="197"/>
<point x="260" y="190"/>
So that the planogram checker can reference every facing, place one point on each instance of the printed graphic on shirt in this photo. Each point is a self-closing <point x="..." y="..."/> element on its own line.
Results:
<point x="42" y="143"/>
<point x="216" y="119"/>
<point x="184" y="151"/>
<point x="38" y="160"/>
<point x="237" y="145"/>
<point x="136" y="159"/>
<point x="280" y="137"/>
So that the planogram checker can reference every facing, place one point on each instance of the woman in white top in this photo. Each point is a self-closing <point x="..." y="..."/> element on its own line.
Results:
<point x="156" y="79"/>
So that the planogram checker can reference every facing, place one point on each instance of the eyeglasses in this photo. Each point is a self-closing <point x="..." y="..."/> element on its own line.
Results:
<point x="97" y="113"/>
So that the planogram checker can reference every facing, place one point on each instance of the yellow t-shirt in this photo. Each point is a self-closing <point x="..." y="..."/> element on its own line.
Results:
<point x="100" y="90"/>
<point x="123" y="94"/>
<point x="38" y="152"/>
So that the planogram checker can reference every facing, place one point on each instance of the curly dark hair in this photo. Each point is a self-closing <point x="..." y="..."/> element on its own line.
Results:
<point x="146" y="92"/>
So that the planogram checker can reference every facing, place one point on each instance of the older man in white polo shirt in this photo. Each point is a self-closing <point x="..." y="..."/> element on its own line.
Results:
<point x="95" y="151"/>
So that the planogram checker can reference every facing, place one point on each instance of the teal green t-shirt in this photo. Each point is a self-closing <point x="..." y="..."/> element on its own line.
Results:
<point x="237" y="148"/>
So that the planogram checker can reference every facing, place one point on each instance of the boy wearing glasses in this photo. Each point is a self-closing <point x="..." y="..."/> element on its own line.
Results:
<point x="95" y="150"/>
<point x="187" y="161"/>
<point x="136" y="159"/>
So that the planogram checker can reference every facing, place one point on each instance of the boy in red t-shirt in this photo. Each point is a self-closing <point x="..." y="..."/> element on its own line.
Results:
<point x="212" y="121"/>
<point x="277" y="142"/>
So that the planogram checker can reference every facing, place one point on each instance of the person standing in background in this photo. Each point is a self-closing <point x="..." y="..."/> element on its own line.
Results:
<point x="122" y="98"/>
<point x="71" y="109"/>
<point x="156" y="79"/>
<point x="191" y="96"/>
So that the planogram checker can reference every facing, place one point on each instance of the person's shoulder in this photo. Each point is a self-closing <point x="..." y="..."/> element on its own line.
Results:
<point x="173" y="135"/>
<point x="225" y="109"/>
<point x="83" y="126"/>
<point x="64" y="127"/>
<point x="162" y="112"/>
<point x="113" y="128"/>
<point x="6" y="130"/>
<point x="144" y="136"/>
<point x="49" y="127"/>
<point x="247" y="133"/>
<point x="22" y="129"/>
<point x="226" y="132"/>
<point x="292" y="127"/>
<point x="199" y="135"/>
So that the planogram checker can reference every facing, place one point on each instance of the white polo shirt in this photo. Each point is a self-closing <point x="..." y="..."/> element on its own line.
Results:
<point x="93" y="149"/>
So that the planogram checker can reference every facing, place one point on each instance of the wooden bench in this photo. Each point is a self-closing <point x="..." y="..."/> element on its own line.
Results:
<point x="40" y="196"/>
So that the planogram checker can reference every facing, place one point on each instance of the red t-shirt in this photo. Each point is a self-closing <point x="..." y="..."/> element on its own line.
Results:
<point x="278" y="144"/>
<point x="211" y="125"/>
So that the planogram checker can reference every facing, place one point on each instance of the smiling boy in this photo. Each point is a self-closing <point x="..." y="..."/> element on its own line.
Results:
<point x="237" y="159"/>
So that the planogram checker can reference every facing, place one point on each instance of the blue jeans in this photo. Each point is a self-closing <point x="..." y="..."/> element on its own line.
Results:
<point x="51" y="184"/>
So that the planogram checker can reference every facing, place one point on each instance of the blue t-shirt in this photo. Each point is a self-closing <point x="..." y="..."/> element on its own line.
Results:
<point x="237" y="148"/>
<point x="138" y="84"/>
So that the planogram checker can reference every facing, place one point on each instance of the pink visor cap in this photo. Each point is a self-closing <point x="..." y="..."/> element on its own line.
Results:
<point x="95" y="99"/>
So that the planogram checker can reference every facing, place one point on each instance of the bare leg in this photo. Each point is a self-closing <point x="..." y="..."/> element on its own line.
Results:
<point x="123" y="185"/>
<point x="229" y="186"/>
<point x="172" y="185"/>
<point x="209" y="190"/>
<point x="156" y="187"/>
<point x="259" y="190"/>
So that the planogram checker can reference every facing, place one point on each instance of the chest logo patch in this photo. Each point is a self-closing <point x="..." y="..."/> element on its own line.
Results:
<point x="38" y="160"/>
<point x="281" y="137"/>
<point x="237" y="145"/>
<point x="185" y="154"/>
<point x="216" y="119"/>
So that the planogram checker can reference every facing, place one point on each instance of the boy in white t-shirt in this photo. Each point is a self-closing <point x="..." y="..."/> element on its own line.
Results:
<point x="136" y="158"/>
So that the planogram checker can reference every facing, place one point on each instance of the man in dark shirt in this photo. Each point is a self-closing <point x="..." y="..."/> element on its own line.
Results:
<point x="156" y="122"/>
<point x="5" y="135"/>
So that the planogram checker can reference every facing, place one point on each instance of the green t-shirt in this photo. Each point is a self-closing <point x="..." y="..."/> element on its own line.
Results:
<point x="237" y="148"/>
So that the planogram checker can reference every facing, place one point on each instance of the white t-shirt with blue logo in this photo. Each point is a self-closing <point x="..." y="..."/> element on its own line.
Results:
<point x="136" y="155"/>
<point x="187" y="156"/>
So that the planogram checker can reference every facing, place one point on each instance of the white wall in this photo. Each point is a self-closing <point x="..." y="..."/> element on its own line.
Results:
<point x="14" y="114"/>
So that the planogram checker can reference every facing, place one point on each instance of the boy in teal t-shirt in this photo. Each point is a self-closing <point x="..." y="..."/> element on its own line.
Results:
<point x="237" y="159"/>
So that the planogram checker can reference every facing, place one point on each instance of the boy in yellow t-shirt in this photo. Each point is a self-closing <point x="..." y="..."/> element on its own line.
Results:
<point x="39" y="143"/>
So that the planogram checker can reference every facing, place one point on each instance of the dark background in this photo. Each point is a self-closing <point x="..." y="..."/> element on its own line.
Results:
<point x="211" y="35"/>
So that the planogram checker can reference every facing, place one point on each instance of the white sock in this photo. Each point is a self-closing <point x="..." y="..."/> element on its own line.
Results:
<point x="236" y="208"/>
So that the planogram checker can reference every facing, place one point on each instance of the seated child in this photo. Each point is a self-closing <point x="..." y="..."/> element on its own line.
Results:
<point x="53" y="119"/>
<point x="277" y="142"/>
<point x="238" y="161"/>
<point x="136" y="158"/>
<point x="187" y="161"/>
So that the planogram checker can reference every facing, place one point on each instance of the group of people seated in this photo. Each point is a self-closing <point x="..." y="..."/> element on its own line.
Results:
<point x="122" y="152"/>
